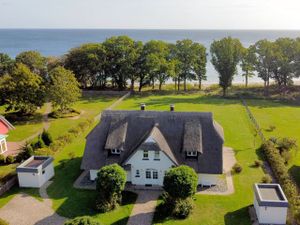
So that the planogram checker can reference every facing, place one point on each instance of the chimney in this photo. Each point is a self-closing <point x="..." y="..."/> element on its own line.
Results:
<point x="143" y="106"/>
<point x="172" y="107"/>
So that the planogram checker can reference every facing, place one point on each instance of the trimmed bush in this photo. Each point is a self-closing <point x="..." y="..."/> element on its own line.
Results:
<point x="84" y="220"/>
<point x="38" y="144"/>
<point x="46" y="137"/>
<point x="181" y="182"/>
<point x="2" y="159"/>
<point x="258" y="163"/>
<point x="183" y="208"/>
<point x="10" y="159"/>
<point x="237" y="168"/>
<point x="266" y="179"/>
<point x="110" y="183"/>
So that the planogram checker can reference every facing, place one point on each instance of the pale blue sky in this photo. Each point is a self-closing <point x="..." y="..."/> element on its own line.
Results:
<point x="172" y="14"/>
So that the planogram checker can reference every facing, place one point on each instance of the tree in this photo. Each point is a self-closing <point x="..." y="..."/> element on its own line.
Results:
<point x="264" y="63"/>
<point x="110" y="183"/>
<point x="181" y="182"/>
<point x="83" y="220"/>
<point x="34" y="61"/>
<point x="186" y="56"/>
<point x="248" y="61"/>
<point x="200" y="63"/>
<point x="6" y="64"/>
<point x="22" y="89"/>
<point x="64" y="88"/>
<point x="88" y="63"/>
<point x="121" y="56"/>
<point x="226" y="54"/>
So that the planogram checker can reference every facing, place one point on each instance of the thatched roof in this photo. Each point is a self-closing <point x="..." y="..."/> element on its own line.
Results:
<point x="173" y="132"/>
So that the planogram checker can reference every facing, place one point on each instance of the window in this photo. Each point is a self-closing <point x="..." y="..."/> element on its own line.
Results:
<point x="148" y="174"/>
<point x="43" y="172"/>
<point x="192" y="154"/>
<point x="156" y="155"/>
<point x="137" y="173"/>
<point x="115" y="151"/>
<point x="145" y="155"/>
<point x="155" y="174"/>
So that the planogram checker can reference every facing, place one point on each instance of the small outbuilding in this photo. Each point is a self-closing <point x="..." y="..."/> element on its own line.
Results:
<point x="35" y="171"/>
<point x="270" y="204"/>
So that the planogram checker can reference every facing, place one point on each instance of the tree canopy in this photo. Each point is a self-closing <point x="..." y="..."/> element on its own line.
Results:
<point x="6" y="64"/>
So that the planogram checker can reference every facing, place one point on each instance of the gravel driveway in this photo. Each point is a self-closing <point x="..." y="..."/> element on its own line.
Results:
<point x="26" y="210"/>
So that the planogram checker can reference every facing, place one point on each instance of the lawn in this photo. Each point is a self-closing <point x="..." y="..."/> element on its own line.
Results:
<point x="239" y="134"/>
<point x="285" y="117"/>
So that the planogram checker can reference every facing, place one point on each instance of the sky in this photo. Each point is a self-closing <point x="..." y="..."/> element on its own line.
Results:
<point x="151" y="14"/>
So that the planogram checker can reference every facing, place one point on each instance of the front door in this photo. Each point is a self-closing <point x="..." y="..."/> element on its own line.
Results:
<point x="152" y="177"/>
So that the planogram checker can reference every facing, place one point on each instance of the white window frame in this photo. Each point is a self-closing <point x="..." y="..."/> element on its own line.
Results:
<point x="3" y="143"/>
<point x="115" y="151"/>
<point x="148" y="172"/>
<point x="155" y="174"/>
<point x="156" y="155"/>
<point x="145" y="152"/>
<point x="137" y="173"/>
<point x="192" y="153"/>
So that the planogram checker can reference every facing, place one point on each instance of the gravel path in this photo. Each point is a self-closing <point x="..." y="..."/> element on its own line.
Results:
<point x="144" y="207"/>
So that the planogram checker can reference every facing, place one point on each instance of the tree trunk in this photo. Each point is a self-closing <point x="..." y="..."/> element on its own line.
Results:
<point x="153" y="84"/>
<point x="200" y="84"/>
<point x="159" y="87"/>
<point x="184" y="84"/>
<point x="132" y="85"/>
<point x="140" y="85"/>
<point x="224" y="91"/>
<point x="246" y="79"/>
<point x="175" y="84"/>
<point x="178" y="83"/>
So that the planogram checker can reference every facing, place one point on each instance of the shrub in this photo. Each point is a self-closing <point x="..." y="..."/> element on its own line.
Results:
<point x="286" y="155"/>
<point x="2" y="159"/>
<point x="110" y="183"/>
<point x="38" y="144"/>
<point x="44" y="151"/>
<point x="183" y="208"/>
<point x="181" y="182"/>
<point x="84" y="220"/>
<point x="266" y="179"/>
<point x="3" y="222"/>
<point x="46" y="137"/>
<point x="258" y="163"/>
<point x="237" y="168"/>
<point x="26" y="153"/>
<point x="10" y="159"/>
<point x="71" y="155"/>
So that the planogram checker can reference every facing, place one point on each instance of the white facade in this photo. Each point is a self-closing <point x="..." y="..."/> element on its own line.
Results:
<point x="35" y="177"/>
<point x="269" y="214"/>
<point x="3" y="144"/>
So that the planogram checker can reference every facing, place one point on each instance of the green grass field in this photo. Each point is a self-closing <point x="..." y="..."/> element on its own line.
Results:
<point x="285" y="117"/>
<point x="239" y="134"/>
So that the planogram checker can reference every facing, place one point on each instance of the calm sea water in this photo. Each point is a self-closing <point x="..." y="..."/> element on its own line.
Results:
<point x="55" y="42"/>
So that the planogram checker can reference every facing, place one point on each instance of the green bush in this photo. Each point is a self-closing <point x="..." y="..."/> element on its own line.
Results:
<point x="46" y="137"/>
<point x="3" y="222"/>
<point x="237" y="168"/>
<point x="266" y="179"/>
<point x="183" y="208"/>
<point x="181" y="182"/>
<point x="38" y="144"/>
<point x="2" y="159"/>
<point x="26" y="153"/>
<point x="258" y="163"/>
<point x="84" y="220"/>
<point x="10" y="159"/>
<point x="110" y="183"/>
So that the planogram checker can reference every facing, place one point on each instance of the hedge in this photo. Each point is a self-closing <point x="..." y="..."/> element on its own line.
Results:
<point x="280" y="170"/>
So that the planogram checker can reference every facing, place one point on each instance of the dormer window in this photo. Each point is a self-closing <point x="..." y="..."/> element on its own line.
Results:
<point x="191" y="154"/>
<point x="115" y="151"/>
<point x="145" y="155"/>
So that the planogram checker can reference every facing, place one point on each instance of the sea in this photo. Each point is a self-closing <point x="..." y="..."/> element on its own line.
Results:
<point x="57" y="42"/>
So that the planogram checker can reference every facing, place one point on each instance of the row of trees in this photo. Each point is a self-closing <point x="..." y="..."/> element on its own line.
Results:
<point x="26" y="83"/>
<point x="121" y="60"/>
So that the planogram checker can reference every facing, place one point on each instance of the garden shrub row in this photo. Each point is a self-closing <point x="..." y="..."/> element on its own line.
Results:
<point x="280" y="170"/>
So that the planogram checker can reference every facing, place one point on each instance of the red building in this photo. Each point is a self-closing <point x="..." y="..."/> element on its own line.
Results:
<point x="5" y="126"/>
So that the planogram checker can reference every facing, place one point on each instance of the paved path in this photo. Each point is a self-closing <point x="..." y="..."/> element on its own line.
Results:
<point x="144" y="207"/>
<point x="228" y="162"/>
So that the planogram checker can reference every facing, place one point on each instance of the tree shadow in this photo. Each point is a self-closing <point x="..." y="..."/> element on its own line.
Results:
<point x="238" y="217"/>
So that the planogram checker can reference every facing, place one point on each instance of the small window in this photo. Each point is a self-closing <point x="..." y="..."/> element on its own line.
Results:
<point x="137" y="173"/>
<point x="156" y="155"/>
<point x="43" y="171"/>
<point x="145" y="155"/>
<point x="148" y="174"/>
<point x="155" y="174"/>
<point x="191" y="154"/>
<point x="116" y="151"/>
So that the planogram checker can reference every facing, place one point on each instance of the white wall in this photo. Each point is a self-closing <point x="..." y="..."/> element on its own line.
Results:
<point x="137" y="163"/>
<point x="36" y="180"/>
<point x="270" y="215"/>
<point x="207" y="179"/>
<point x="93" y="175"/>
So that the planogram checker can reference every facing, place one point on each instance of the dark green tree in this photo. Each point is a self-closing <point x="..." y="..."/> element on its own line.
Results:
<point x="23" y="90"/>
<point x="88" y="63"/>
<point x="6" y="64"/>
<point x="110" y="183"/>
<point x="63" y="89"/>
<point x="200" y="63"/>
<point x="248" y="62"/>
<point x="226" y="54"/>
